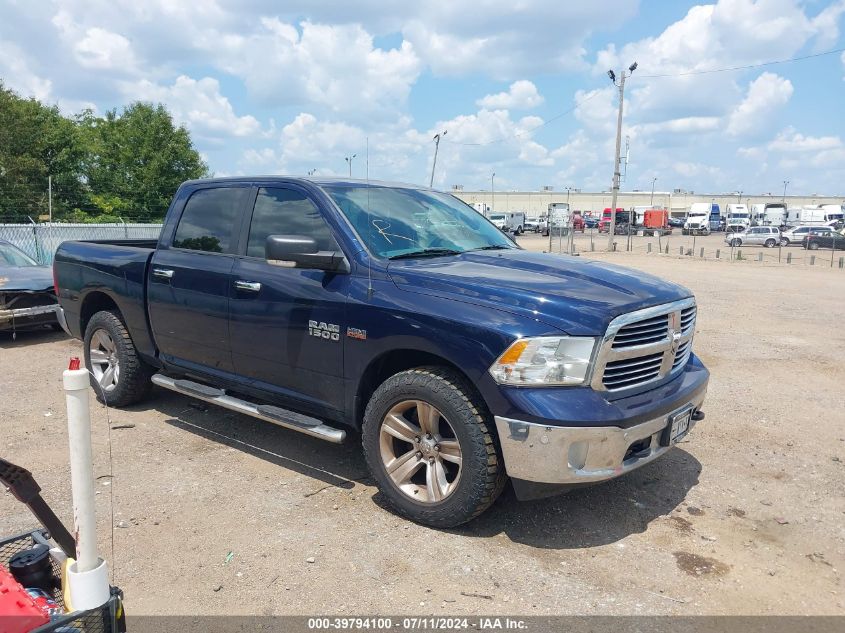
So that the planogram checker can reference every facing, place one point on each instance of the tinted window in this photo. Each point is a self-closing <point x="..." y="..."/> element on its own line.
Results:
<point x="286" y="212"/>
<point x="208" y="221"/>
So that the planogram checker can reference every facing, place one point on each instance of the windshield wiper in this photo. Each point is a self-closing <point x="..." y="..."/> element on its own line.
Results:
<point x="427" y="252"/>
<point x="493" y="247"/>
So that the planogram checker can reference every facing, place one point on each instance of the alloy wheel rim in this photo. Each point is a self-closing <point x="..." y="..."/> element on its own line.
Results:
<point x="420" y="451"/>
<point x="104" y="363"/>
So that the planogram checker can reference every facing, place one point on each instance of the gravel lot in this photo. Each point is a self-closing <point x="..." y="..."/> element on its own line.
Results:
<point x="217" y="513"/>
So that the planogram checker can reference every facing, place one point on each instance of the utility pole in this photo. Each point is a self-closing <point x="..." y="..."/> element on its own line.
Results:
<point x="50" y="196"/>
<point x="348" y="160"/>
<point x="653" y="180"/>
<point x="785" y="184"/>
<point x="436" y="147"/>
<point x="616" y="174"/>
<point x="492" y="191"/>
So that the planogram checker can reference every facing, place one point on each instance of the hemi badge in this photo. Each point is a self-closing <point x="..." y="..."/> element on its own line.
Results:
<point x="354" y="332"/>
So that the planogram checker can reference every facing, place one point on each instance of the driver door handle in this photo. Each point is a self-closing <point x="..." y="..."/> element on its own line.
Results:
<point x="163" y="272"/>
<point x="251" y="286"/>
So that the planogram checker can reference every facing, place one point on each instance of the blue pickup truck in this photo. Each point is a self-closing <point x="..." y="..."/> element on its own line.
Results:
<point x="332" y="306"/>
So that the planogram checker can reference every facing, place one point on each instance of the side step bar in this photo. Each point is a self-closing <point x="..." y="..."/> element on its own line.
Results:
<point x="276" y="415"/>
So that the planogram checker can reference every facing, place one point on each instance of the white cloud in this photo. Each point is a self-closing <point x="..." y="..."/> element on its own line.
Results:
<point x="790" y="140"/>
<point x="102" y="49"/>
<point x="765" y="95"/>
<point x="198" y="104"/>
<point x="17" y="73"/>
<point x="522" y="95"/>
<point x="336" y="67"/>
<point x="507" y="40"/>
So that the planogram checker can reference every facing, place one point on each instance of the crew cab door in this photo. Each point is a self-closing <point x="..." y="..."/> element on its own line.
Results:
<point x="287" y="324"/>
<point x="189" y="281"/>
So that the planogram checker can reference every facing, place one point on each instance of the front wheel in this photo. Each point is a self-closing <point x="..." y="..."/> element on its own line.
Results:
<point x="430" y="446"/>
<point x="736" y="243"/>
<point x="118" y="375"/>
<point x="813" y="246"/>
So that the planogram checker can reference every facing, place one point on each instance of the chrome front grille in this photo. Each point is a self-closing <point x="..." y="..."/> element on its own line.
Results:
<point x="645" y="346"/>
<point x="619" y="374"/>
<point x="642" y="332"/>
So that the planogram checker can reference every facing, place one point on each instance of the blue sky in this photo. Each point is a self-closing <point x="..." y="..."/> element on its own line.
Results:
<point x="521" y="87"/>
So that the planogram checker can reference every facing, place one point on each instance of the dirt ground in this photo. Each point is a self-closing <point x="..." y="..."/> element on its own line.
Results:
<point x="217" y="513"/>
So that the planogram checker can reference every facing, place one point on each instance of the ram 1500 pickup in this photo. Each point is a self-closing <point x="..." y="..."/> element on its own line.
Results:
<point x="326" y="306"/>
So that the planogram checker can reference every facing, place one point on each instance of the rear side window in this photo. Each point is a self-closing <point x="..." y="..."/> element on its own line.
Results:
<point x="286" y="212"/>
<point x="208" y="221"/>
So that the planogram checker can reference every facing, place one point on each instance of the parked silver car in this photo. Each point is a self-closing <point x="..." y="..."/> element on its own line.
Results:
<point x="797" y="234"/>
<point x="768" y="236"/>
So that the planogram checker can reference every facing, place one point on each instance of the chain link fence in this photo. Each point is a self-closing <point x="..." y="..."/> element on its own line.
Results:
<point x="40" y="241"/>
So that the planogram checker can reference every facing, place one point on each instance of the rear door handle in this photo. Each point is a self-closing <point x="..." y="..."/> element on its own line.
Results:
<point x="251" y="286"/>
<point x="163" y="272"/>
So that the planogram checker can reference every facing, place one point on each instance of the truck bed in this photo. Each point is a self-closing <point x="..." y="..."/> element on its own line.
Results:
<point x="116" y="269"/>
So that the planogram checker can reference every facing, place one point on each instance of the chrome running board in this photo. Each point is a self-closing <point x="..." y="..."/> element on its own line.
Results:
<point x="276" y="415"/>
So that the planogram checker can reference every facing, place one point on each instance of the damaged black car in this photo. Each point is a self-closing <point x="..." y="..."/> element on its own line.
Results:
<point x="27" y="297"/>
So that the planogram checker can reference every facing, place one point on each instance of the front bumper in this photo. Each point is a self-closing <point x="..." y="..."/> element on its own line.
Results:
<point x="569" y="455"/>
<point x="23" y="317"/>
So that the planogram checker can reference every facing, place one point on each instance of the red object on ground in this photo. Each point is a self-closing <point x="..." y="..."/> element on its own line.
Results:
<point x="577" y="222"/>
<point x="74" y="363"/>
<point x="18" y="611"/>
<point x="656" y="219"/>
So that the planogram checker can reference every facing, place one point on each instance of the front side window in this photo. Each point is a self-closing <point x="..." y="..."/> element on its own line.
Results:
<point x="398" y="222"/>
<point x="286" y="212"/>
<point x="208" y="221"/>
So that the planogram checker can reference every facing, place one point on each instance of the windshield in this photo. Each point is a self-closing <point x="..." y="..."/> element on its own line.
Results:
<point x="497" y="217"/>
<point x="397" y="221"/>
<point x="11" y="256"/>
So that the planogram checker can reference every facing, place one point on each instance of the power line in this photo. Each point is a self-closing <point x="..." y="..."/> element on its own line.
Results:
<point x="748" y="67"/>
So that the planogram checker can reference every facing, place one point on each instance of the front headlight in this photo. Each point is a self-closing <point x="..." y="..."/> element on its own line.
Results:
<point x="545" y="360"/>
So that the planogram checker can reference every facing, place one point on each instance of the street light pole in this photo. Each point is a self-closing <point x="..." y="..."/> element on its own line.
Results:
<point x="348" y="160"/>
<point x="436" y="147"/>
<point x="653" y="180"/>
<point x="616" y="174"/>
<point x="785" y="184"/>
<point x="492" y="191"/>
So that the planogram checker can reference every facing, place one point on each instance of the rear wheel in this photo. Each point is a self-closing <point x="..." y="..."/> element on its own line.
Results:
<point x="736" y="242"/>
<point x="429" y="444"/>
<point x="770" y="243"/>
<point x="118" y="374"/>
<point x="784" y="241"/>
<point x="813" y="246"/>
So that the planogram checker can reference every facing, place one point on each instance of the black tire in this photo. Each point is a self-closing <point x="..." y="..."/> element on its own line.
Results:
<point x="770" y="243"/>
<point x="482" y="474"/>
<point x="784" y="241"/>
<point x="133" y="382"/>
<point x="736" y="242"/>
<point x="813" y="246"/>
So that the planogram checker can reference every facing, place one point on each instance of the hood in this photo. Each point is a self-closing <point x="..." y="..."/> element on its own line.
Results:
<point x="578" y="296"/>
<point x="25" y="278"/>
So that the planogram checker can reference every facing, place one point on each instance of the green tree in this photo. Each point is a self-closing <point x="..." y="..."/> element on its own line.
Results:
<point x="136" y="160"/>
<point x="36" y="142"/>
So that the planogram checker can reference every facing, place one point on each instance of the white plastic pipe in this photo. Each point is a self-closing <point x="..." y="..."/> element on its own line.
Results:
<point x="76" y="384"/>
